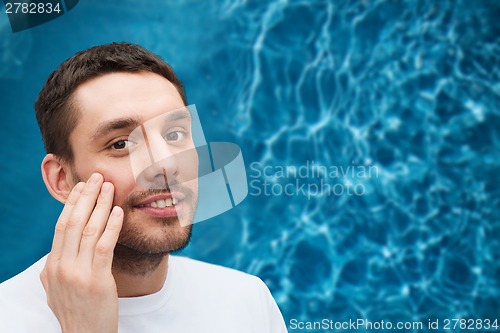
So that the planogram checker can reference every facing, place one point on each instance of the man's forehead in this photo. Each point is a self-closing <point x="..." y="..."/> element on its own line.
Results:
<point x="154" y="98"/>
<point x="142" y="96"/>
<point x="118" y="77"/>
<point x="124" y="89"/>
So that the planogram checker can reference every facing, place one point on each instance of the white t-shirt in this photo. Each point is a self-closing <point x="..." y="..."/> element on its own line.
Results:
<point x="196" y="297"/>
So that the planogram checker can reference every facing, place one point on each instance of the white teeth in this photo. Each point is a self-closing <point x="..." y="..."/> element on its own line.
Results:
<point x="163" y="203"/>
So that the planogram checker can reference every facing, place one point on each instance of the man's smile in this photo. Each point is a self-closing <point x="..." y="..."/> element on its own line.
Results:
<point x="162" y="205"/>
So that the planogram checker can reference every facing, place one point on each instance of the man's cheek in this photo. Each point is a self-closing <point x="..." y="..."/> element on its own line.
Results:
<point x="120" y="192"/>
<point x="119" y="198"/>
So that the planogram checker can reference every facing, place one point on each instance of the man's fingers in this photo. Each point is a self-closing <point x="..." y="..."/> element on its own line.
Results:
<point x="103" y="256"/>
<point x="80" y="216"/>
<point x="60" y="228"/>
<point x="95" y="227"/>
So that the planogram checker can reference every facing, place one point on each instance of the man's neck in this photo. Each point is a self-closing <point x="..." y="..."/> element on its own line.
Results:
<point x="138" y="275"/>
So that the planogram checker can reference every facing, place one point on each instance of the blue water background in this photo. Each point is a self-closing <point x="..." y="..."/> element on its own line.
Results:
<point x="409" y="88"/>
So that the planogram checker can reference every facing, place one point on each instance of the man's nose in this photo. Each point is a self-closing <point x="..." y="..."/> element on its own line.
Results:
<point x="162" y="166"/>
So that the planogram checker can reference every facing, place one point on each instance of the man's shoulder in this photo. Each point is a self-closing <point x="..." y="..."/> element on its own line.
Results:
<point x="230" y="289"/>
<point x="197" y="267"/>
<point x="204" y="273"/>
<point x="23" y="303"/>
<point x="24" y="281"/>
<point x="226" y="292"/>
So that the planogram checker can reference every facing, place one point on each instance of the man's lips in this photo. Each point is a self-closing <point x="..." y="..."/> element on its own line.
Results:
<point x="161" y="200"/>
<point x="162" y="205"/>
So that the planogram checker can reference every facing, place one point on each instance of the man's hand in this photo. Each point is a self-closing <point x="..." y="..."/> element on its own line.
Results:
<point x="81" y="290"/>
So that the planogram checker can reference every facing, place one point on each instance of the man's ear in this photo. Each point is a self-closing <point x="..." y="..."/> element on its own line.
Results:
<point x="57" y="177"/>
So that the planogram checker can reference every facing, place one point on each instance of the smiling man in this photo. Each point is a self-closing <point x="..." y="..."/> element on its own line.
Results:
<point x="121" y="158"/>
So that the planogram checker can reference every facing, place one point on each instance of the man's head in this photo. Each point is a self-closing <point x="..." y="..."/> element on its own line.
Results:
<point x="119" y="110"/>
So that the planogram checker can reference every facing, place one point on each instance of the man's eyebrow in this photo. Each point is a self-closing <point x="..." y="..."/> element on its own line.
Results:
<point x="113" y="125"/>
<point x="177" y="115"/>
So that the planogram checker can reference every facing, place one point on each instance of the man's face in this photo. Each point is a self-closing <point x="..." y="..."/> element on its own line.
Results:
<point x="134" y="130"/>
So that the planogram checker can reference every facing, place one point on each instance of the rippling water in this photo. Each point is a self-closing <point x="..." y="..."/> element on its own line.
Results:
<point x="407" y="89"/>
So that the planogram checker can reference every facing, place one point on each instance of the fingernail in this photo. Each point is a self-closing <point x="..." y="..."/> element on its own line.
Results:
<point x="117" y="211"/>
<point x="94" y="179"/>
<point x="106" y="187"/>
<point x="78" y="188"/>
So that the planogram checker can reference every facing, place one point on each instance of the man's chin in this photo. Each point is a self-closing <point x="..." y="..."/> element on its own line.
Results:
<point x="168" y="236"/>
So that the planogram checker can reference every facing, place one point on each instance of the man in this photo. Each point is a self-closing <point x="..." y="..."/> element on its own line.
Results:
<point x="121" y="158"/>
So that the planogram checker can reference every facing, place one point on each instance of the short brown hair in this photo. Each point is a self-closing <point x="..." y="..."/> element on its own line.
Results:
<point x="55" y="109"/>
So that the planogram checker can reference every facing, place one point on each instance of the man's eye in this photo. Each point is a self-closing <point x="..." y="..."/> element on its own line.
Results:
<point x="174" y="136"/>
<point x="122" y="144"/>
